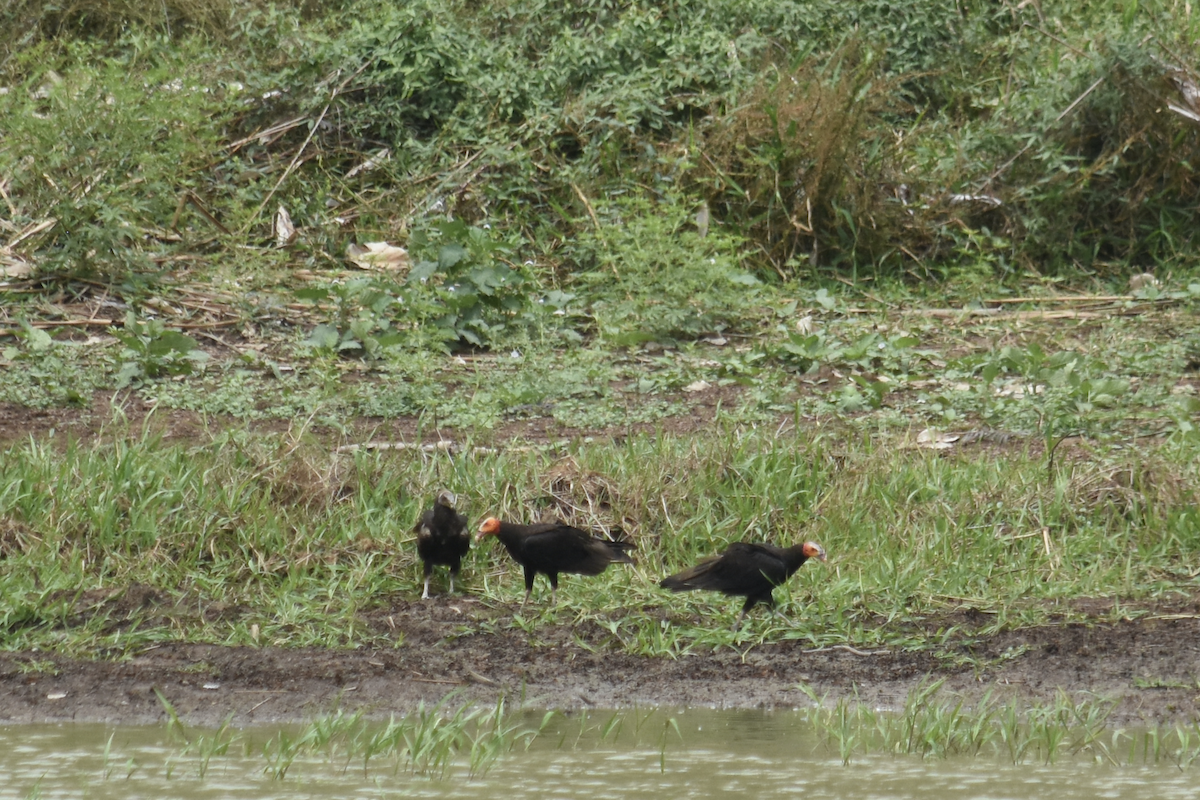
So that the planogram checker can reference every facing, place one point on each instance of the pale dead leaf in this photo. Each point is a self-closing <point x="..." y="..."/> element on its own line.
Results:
<point x="371" y="163"/>
<point x="377" y="255"/>
<point x="1186" y="113"/>
<point x="13" y="266"/>
<point x="285" y="231"/>
<point x="1142" y="281"/>
<point x="804" y="326"/>
<point x="697" y="386"/>
<point x="933" y="440"/>
<point x="52" y="79"/>
<point x="1018" y="388"/>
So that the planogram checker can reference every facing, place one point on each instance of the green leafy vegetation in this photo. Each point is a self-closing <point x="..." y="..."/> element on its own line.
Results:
<point x="869" y="140"/>
<point x="152" y="351"/>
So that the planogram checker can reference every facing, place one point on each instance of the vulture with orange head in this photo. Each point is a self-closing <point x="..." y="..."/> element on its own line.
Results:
<point x="554" y="547"/>
<point x="442" y="538"/>
<point x="745" y="570"/>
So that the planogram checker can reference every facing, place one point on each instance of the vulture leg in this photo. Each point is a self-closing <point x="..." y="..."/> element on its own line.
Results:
<point x="428" y="575"/>
<point x="751" y="602"/>
<point x="529" y="576"/>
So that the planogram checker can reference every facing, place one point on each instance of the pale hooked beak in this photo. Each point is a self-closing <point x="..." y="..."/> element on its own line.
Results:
<point x="489" y="527"/>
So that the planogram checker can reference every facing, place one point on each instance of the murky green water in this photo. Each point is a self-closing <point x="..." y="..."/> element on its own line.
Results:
<point x="709" y="754"/>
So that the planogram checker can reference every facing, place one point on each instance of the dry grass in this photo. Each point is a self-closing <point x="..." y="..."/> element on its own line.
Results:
<point x="28" y="21"/>
<point x="582" y="497"/>
<point x="802" y="152"/>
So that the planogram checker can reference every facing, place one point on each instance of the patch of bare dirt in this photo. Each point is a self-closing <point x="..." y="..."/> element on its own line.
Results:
<point x="96" y="422"/>
<point x="1151" y="667"/>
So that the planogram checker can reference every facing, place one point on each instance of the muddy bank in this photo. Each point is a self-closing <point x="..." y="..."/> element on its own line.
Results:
<point x="1150" y="666"/>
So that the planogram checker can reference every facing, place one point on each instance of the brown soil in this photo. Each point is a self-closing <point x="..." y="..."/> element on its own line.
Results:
<point x="20" y="423"/>
<point x="1150" y="667"/>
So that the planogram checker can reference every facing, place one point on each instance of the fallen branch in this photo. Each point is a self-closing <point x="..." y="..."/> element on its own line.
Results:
<point x="1095" y="298"/>
<point x="997" y="315"/>
<point x="446" y="447"/>
<point x="848" y="649"/>
<point x="481" y="678"/>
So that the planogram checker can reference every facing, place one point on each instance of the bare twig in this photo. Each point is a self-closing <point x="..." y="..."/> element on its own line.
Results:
<point x="990" y="313"/>
<point x="190" y="197"/>
<point x="4" y="193"/>
<point x="1003" y="167"/>
<point x="444" y="446"/>
<point x="32" y="230"/>
<point x="1048" y="35"/>
<point x="260" y="704"/>
<point x="71" y="323"/>
<point x="481" y="678"/>
<point x="195" y="326"/>
<point x="586" y="204"/>
<point x="274" y="130"/>
<point x="595" y="221"/>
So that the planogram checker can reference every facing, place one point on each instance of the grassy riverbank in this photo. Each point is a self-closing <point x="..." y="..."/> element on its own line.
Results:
<point x="918" y="283"/>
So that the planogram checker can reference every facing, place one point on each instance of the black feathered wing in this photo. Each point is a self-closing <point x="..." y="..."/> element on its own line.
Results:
<point x="554" y="548"/>
<point x="442" y="536"/>
<point x="744" y="570"/>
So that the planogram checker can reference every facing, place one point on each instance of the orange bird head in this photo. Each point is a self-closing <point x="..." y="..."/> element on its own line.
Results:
<point x="490" y="527"/>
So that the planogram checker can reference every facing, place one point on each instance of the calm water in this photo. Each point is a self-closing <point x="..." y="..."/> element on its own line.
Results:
<point x="714" y="754"/>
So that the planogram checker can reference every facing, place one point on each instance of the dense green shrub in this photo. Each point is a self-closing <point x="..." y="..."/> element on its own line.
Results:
<point x="594" y="92"/>
<point x="466" y="287"/>
<point x="840" y="137"/>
